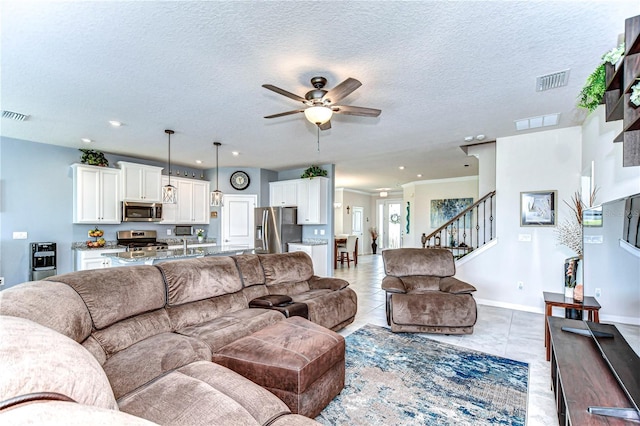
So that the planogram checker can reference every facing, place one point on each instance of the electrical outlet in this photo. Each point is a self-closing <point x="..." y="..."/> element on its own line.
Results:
<point x="315" y="232"/>
<point x="598" y="292"/>
<point x="322" y="232"/>
<point x="520" y="285"/>
<point x="168" y="231"/>
<point x="1" y="281"/>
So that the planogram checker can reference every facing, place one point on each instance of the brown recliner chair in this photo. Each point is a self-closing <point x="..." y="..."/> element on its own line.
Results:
<point x="422" y="294"/>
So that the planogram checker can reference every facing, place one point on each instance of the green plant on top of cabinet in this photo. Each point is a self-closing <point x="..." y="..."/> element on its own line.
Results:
<point x="96" y="194"/>
<point x="192" y="206"/>
<point x="141" y="182"/>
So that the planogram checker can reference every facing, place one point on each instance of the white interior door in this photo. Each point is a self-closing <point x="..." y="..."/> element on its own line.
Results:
<point x="238" y="220"/>
<point x="389" y="223"/>
<point x="357" y="224"/>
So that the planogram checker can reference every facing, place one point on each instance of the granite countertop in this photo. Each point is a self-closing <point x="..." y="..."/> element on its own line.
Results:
<point x="143" y="256"/>
<point x="313" y="242"/>
<point x="82" y="245"/>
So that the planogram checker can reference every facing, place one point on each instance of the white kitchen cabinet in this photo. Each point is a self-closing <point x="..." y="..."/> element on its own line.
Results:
<point x="283" y="193"/>
<point x="141" y="182"/>
<point x="312" y="201"/>
<point x="192" y="206"/>
<point x="93" y="259"/>
<point x="96" y="194"/>
<point x="318" y="254"/>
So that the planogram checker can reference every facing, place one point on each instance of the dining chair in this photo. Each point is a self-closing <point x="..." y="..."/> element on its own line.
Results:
<point x="349" y="251"/>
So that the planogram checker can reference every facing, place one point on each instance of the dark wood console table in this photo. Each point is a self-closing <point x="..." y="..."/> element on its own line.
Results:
<point x="580" y="377"/>
<point x="590" y="305"/>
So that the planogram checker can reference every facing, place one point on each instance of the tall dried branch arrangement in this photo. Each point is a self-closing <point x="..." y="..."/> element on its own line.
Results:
<point x="570" y="230"/>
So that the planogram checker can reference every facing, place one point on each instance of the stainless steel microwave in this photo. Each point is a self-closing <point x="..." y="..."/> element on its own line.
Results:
<point x="141" y="212"/>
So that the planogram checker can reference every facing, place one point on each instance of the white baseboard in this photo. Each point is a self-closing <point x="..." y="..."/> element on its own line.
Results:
<point x="538" y="310"/>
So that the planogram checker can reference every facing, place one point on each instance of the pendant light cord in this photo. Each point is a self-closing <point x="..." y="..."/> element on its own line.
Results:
<point x="318" y="126"/>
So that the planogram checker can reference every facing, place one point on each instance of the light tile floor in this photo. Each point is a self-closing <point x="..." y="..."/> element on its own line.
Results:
<point x="504" y="332"/>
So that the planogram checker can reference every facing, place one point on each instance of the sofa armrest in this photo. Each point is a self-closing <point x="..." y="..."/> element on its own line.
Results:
<point x="455" y="286"/>
<point x="393" y="285"/>
<point x="335" y="284"/>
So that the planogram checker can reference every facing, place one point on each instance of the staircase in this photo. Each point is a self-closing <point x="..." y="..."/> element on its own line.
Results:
<point x="469" y="230"/>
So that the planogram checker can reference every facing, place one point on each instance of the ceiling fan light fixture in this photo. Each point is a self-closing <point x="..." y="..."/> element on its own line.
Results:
<point x="318" y="114"/>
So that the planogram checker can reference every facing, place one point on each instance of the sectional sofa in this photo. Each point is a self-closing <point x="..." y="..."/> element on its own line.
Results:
<point x="140" y="340"/>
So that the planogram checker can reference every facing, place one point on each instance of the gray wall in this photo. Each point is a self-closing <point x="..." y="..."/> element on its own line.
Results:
<point x="36" y="196"/>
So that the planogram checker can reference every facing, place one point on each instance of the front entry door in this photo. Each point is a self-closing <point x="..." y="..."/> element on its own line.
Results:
<point x="357" y="223"/>
<point x="238" y="220"/>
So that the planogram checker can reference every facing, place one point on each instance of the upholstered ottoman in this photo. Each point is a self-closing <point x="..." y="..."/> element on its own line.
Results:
<point x="300" y="362"/>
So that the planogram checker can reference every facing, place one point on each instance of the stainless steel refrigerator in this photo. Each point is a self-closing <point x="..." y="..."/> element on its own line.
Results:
<point x="275" y="228"/>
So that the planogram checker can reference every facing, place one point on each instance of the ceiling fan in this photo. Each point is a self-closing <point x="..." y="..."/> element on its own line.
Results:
<point x="320" y="104"/>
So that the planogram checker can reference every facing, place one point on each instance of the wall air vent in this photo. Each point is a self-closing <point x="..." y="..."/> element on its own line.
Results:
<point x="552" y="81"/>
<point x="14" y="115"/>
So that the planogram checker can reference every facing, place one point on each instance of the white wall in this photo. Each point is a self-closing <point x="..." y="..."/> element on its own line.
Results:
<point x="486" y="155"/>
<point x="612" y="180"/>
<point x="421" y="193"/>
<point x="549" y="160"/>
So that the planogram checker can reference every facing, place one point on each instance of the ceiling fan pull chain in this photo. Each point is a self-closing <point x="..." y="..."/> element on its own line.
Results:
<point x="318" y="128"/>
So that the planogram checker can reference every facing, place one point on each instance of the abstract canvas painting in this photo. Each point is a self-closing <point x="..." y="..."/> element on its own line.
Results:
<point x="443" y="211"/>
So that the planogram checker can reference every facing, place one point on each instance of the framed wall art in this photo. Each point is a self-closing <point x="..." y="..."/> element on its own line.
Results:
<point x="538" y="208"/>
<point x="443" y="211"/>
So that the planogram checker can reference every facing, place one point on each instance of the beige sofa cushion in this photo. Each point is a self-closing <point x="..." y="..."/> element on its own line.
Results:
<point x="286" y="268"/>
<point x="57" y="413"/>
<point x="418" y="261"/>
<point x="49" y="362"/>
<point x="114" y="294"/>
<point x="52" y="304"/>
<point x="250" y="269"/>
<point x="191" y="280"/>
<point x="204" y="393"/>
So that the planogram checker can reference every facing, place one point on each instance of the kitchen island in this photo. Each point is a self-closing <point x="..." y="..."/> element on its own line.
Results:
<point x="151" y="257"/>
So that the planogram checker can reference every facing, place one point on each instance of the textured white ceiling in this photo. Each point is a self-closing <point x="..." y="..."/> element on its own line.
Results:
<point x="438" y="70"/>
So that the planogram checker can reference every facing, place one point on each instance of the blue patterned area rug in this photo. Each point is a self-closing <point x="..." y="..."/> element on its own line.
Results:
<point x="408" y="379"/>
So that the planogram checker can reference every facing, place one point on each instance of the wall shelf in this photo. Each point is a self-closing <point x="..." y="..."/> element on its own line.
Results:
<point x="617" y="96"/>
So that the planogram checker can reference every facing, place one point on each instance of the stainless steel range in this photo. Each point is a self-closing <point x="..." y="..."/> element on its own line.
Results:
<point x="140" y="240"/>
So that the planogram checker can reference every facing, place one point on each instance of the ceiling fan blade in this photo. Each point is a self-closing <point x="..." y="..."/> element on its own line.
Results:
<point x="355" y="110"/>
<point x="282" y="114"/>
<point x="325" y="126"/>
<point x="284" y="92"/>
<point x="341" y="90"/>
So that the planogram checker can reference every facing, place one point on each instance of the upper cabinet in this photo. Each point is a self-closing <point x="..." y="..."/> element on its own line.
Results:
<point x="312" y="201"/>
<point x="283" y="193"/>
<point x="141" y="182"/>
<point x="96" y="194"/>
<point x="192" y="206"/>
<point x="309" y="195"/>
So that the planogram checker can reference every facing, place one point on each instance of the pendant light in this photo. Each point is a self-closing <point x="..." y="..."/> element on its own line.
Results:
<point x="169" y="192"/>
<point x="216" y="196"/>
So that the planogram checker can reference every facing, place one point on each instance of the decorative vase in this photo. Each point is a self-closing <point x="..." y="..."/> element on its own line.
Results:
<point x="200" y="238"/>
<point x="568" y="292"/>
<point x="374" y="246"/>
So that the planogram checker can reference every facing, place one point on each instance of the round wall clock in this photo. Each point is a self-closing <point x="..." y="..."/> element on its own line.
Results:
<point x="240" y="180"/>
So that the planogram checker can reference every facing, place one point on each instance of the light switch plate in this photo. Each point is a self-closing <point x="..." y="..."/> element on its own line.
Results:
<point x="19" y="235"/>
<point x="524" y="237"/>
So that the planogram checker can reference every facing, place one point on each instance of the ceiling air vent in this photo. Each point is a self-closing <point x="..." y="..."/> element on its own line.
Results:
<point x="14" y="115"/>
<point x="552" y="81"/>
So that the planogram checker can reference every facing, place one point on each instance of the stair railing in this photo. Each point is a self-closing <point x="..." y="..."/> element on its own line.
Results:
<point x="470" y="229"/>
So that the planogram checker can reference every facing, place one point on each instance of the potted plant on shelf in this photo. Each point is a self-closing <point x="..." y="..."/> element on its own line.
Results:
<point x="94" y="158"/>
<point x="592" y="93"/>
<point x="313" y="171"/>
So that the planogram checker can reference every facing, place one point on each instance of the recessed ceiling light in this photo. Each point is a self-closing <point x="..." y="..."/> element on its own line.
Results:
<point x="198" y="161"/>
<point x="115" y="123"/>
<point x="401" y="167"/>
<point x="480" y="137"/>
<point x="419" y="175"/>
<point x="468" y="138"/>
<point x="86" y="140"/>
